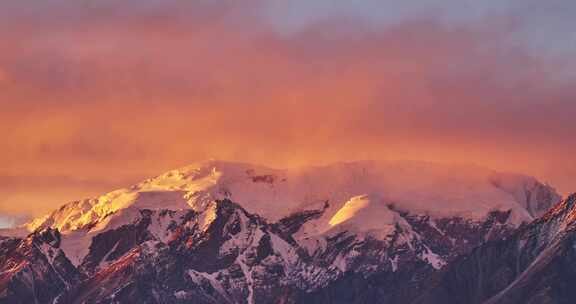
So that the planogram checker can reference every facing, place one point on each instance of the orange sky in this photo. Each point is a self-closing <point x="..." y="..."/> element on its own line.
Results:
<point x="98" y="103"/>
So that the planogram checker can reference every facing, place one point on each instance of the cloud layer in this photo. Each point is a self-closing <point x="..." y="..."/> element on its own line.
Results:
<point x="102" y="91"/>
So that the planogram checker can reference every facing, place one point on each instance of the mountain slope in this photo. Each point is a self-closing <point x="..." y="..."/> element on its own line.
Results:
<point x="34" y="269"/>
<point x="221" y="232"/>
<point x="534" y="265"/>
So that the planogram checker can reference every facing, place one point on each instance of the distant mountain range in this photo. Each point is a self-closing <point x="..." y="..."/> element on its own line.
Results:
<point x="358" y="232"/>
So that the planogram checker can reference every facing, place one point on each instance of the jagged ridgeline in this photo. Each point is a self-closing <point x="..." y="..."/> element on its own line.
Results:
<point x="359" y="232"/>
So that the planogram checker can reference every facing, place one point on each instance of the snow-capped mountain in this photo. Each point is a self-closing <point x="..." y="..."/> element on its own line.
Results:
<point x="223" y="232"/>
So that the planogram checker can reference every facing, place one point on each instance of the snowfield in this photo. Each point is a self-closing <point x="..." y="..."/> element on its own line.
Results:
<point x="363" y="197"/>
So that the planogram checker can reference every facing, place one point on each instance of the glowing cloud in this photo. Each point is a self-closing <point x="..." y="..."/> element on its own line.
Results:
<point x="119" y="91"/>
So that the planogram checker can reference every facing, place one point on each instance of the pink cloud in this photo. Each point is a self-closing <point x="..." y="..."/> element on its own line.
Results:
<point x="138" y="95"/>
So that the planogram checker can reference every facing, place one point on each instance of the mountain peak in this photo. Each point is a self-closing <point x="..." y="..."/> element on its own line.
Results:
<point x="438" y="190"/>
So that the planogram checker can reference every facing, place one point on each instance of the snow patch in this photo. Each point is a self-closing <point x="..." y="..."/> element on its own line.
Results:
<point x="250" y="282"/>
<point x="349" y="210"/>
<point x="394" y="263"/>
<point x="433" y="259"/>
<point x="197" y="277"/>
<point x="285" y="250"/>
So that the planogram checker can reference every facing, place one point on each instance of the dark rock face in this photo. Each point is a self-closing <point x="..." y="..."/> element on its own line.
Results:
<point x="535" y="265"/>
<point x="451" y="237"/>
<point x="380" y="287"/>
<point x="227" y="255"/>
<point x="394" y="271"/>
<point x="292" y="223"/>
<point x="113" y="244"/>
<point x="34" y="269"/>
